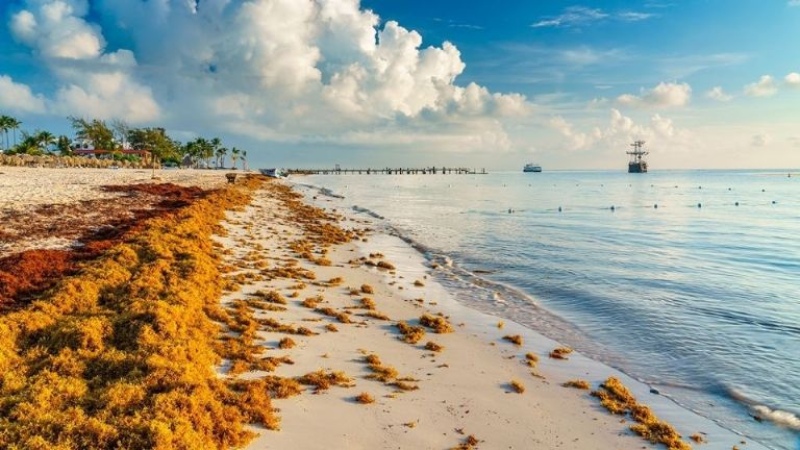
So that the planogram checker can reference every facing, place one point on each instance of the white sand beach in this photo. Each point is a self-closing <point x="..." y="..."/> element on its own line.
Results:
<point x="458" y="396"/>
<point x="463" y="390"/>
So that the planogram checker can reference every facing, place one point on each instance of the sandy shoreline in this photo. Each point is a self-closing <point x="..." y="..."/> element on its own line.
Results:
<point x="436" y="399"/>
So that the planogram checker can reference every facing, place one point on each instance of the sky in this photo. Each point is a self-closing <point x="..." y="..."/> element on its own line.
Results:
<point x="373" y="83"/>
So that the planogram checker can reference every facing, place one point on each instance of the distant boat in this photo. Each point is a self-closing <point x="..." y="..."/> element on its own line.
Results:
<point x="531" y="167"/>
<point x="637" y="164"/>
<point x="272" y="173"/>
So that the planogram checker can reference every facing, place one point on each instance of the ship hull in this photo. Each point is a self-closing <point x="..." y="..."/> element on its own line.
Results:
<point x="637" y="167"/>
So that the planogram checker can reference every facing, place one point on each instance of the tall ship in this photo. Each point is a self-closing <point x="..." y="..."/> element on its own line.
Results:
<point x="531" y="167"/>
<point x="637" y="164"/>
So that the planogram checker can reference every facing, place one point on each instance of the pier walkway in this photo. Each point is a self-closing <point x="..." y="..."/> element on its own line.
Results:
<point x="389" y="171"/>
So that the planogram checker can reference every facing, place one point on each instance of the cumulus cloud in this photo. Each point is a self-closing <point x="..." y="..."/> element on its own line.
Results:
<point x="620" y="131"/>
<point x="91" y="82"/>
<point x="664" y="95"/>
<point x="283" y="70"/>
<point x="764" y="87"/>
<point x="55" y="29"/>
<point x="18" y="98"/>
<point x="718" y="94"/>
<point x="793" y="79"/>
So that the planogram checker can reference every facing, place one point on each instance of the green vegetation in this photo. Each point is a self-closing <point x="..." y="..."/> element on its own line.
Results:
<point x="116" y="141"/>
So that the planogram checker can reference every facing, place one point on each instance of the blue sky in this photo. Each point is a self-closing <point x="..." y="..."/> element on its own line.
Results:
<point x="708" y="83"/>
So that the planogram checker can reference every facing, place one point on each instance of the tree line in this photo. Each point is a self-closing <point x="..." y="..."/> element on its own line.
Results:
<point x="116" y="136"/>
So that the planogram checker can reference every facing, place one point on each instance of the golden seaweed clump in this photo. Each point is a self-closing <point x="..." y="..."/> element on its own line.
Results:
<point x="271" y="297"/>
<point x="385" y="265"/>
<point x="368" y="303"/>
<point x="560" y="353"/>
<point x="531" y="360"/>
<point x="514" y="339"/>
<point x="286" y="343"/>
<point x="367" y="289"/>
<point x="365" y="398"/>
<point x="438" y="324"/>
<point x="517" y="386"/>
<point x="615" y="397"/>
<point x="433" y="346"/>
<point x="470" y="443"/>
<point x="312" y="302"/>
<point x="377" y="315"/>
<point x="322" y="380"/>
<point x="330" y="312"/>
<point x="410" y="334"/>
<point x="578" y="384"/>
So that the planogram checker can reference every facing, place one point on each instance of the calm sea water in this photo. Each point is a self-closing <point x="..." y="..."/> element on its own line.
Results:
<point x="688" y="281"/>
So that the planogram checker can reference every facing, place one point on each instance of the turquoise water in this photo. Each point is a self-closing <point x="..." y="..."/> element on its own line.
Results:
<point x="688" y="281"/>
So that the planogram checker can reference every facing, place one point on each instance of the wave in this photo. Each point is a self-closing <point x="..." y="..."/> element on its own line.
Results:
<point x="761" y="412"/>
<point x="368" y="212"/>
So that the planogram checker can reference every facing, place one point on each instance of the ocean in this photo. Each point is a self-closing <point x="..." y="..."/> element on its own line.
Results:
<point x="688" y="281"/>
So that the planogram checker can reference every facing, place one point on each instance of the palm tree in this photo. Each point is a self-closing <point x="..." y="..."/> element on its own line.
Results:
<point x="220" y="154"/>
<point x="64" y="146"/>
<point x="235" y="155"/>
<point x="5" y="125"/>
<point x="29" y="145"/>
<point x="45" y="139"/>
<point x="14" y="125"/>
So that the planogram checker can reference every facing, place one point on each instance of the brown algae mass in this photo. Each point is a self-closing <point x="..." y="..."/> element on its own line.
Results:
<point x="616" y="398"/>
<point x="121" y="354"/>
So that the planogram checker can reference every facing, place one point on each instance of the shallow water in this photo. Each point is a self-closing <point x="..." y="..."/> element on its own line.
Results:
<point x="676" y="285"/>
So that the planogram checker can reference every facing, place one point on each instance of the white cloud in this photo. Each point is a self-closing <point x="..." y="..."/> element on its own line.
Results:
<point x="664" y="95"/>
<point x="91" y="83"/>
<point x="576" y="16"/>
<point x="572" y="16"/>
<point x="761" y="140"/>
<point x="282" y="70"/>
<point x="18" y="98"/>
<point x="718" y="94"/>
<point x="764" y="87"/>
<point x="620" y="131"/>
<point x="794" y="3"/>
<point x="793" y="79"/>
<point x="632" y="16"/>
<point x="56" y="29"/>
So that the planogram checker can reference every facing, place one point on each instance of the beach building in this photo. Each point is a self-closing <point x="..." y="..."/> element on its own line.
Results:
<point x="85" y="147"/>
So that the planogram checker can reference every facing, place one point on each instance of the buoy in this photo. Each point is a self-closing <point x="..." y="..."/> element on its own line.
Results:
<point x="699" y="187"/>
<point x="737" y="203"/>
<point x="559" y="209"/>
<point x="774" y="202"/>
<point x="655" y="206"/>
<point x="763" y="190"/>
<point x="699" y="205"/>
<point x="612" y="207"/>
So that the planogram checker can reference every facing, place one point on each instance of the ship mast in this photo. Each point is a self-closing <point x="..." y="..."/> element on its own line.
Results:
<point x="638" y="152"/>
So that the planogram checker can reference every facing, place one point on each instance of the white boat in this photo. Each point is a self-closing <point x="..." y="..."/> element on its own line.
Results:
<point x="531" y="167"/>
<point x="273" y="173"/>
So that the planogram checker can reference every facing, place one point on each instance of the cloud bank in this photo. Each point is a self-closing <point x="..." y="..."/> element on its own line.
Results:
<point x="285" y="70"/>
<point x="664" y="95"/>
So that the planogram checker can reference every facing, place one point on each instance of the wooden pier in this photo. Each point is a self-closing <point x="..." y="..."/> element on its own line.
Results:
<point x="389" y="171"/>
